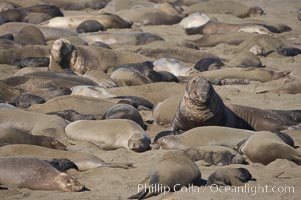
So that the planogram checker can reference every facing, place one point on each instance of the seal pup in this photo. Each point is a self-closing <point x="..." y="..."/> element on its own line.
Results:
<point x="83" y="161"/>
<point x="171" y="172"/>
<point x="202" y="106"/>
<point x="229" y="176"/>
<point x="89" y="26"/>
<point x="125" y="111"/>
<point x="265" y="147"/>
<point x="201" y="136"/>
<point x="27" y="100"/>
<point x="215" y="155"/>
<point x="208" y="64"/>
<point x="15" y="136"/>
<point x="36" y="174"/>
<point x="110" y="134"/>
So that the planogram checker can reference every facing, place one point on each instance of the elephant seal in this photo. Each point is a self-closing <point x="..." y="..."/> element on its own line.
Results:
<point x="202" y="106"/>
<point x="7" y="5"/>
<point x="62" y="164"/>
<point x="129" y="77"/>
<point x="164" y="111"/>
<point x="27" y="100"/>
<point x="30" y="35"/>
<point x="89" y="26"/>
<point x="202" y="136"/>
<point x="174" y="66"/>
<point x="159" y="14"/>
<point x="222" y="38"/>
<point x="208" y="64"/>
<point x="91" y="91"/>
<point x="171" y="172"/>
<point x="32" y="62"/>
<point x="72" y="115"/>
<point x="124" y="111"/>
<point x="229" y="176"/>
<point x="215" y="155"/>
<point x="108" y="20"/>
<point x="110" y="134"/>
<point x="121" y="38"/>
<point x="50" y="10"/>
<point x="78" y="5"/>
<point x="265" y="147"/>
<point x="299" y="14"/>
<point x="15" y="136"/>
<point x="82" y="59"/>
<point x="225" y="7"/>
<point x="82" y="160"/>
<point x="36" y="174"/>
<point x="35" y="123"/>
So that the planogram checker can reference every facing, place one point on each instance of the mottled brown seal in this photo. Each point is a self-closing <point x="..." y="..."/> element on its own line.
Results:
<point x="172" y="171"/>
<point x="36" y="174"/>
<point x="215" y="155"/>
<point x="202" y="106"/>
<point x="110" y="134"/>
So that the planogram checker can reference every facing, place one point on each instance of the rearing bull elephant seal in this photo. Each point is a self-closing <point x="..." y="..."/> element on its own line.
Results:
<point x="173" y="171"/>
<point x="36" y="174"/>
<point x="202" y="106"/>
<point x="110" y="134"/>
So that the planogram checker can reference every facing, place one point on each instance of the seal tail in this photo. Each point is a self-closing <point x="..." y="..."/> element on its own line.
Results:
<point x="120" y="165"/>
<point x="140" y="195"/>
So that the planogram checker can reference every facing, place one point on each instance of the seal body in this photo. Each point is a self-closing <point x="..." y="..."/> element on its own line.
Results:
<point x="83" y="161"/>
<point x="265" y="147"/>
<point x="173" y="171"/>
<point x="215" y="155"/>
<point x="14" y="136"/>
<point x="203" y="136"/>
<point x="110" y="134"/>
<point x="35" y="174"/>
<point x="202" y="106"/>
<point x="229" y="176"/>
<point x="124" y="111"/>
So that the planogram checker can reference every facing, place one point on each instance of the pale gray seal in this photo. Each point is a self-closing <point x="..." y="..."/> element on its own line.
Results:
<point x="110" y="134"/>
<point x="172" y="171"/>
<point x="36" y="174"/>
<point x="265" y="147"/>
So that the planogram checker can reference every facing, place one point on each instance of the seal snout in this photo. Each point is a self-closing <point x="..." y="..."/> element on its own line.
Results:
<point x="200" y="89"/>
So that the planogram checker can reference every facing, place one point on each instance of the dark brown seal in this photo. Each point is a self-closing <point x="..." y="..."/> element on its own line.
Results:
<point x="202" y="106"/>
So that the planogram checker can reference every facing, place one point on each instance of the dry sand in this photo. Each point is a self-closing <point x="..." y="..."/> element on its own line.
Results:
<point x="112" y="183"/>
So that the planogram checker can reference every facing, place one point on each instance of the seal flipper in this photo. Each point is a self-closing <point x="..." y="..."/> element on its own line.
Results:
<point x="120" y="165"/>
<point x="140" y="195"/>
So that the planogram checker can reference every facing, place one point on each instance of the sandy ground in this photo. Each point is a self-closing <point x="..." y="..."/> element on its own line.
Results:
<point x="112" y="183"/>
